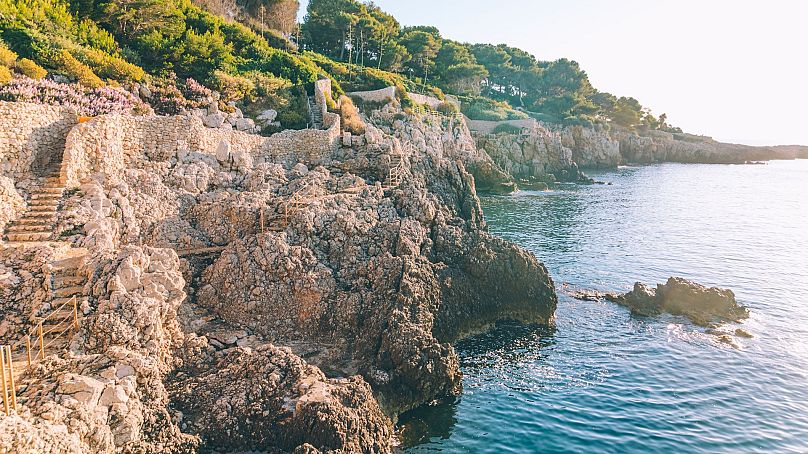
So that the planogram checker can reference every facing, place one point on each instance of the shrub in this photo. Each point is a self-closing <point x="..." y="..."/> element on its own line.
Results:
<point x="232" y="88"/>
<point x="5" y="75"/>
<point x="7" y="56"/>
<point x="166" y="98"/>
<point x="351" y="120"/>
<point x="196" y="94"/>
<point x="31" y="69"/>
<point x="86" y="101"/>
<point x="80" y="71"/>
<point x="506" y="128"/>
<point x="447" y="108"/>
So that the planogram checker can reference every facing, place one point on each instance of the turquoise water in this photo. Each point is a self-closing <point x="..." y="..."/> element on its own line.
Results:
<point x="606" y="381"/>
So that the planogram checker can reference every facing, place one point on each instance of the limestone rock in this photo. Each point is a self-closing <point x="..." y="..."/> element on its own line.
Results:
<point x="702" y="305"/>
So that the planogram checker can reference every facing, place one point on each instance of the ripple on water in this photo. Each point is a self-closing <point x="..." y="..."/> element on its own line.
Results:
<point x="605" y="381"/>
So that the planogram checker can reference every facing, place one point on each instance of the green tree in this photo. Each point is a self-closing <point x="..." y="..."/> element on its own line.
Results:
<point x="423" y="47"/>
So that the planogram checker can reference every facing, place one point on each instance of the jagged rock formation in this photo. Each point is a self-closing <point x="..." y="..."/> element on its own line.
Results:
<point x="370" y="284"/>
<point x="703" y="306"/>
<point x="535" y="153"/>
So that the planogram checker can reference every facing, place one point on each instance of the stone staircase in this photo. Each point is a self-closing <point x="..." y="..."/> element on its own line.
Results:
<point x="38" y="222"/>
<point x="315" y="114"/>
<point x="395" y="175"/>
<point x="66" y="283"/>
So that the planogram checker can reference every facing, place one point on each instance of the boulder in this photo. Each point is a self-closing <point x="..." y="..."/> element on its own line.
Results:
<point x="267" y="116"/>
<point x="702" y="305"/>
<point x="214" y="120"/>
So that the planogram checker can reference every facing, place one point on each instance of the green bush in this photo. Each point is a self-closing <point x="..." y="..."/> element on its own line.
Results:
<point x="351" y="120"/>
<point x="30" y="69"/>
<point x="108" y="66"/>
<point x="5" y="75"/>
<point x="232" y="88"/>
<point x="7" y="56"/>
<point x="447" y="108"/>
<point x="506" y="128"/>
<point x="79" y="71"/>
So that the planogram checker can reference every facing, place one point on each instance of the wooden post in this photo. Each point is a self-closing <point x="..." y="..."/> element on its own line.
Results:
<point x="75" y="313"/>
<point x="3" y="377"/>
<point x="11" y="378"/>
<point x="262" y="220"/>
<point x="28" y="347"/>
<point x="41" y="342"/>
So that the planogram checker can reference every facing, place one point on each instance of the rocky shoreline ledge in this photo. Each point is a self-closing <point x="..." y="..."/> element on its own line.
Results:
<point x="237" y="298"/>
<point x="295" y="293"/>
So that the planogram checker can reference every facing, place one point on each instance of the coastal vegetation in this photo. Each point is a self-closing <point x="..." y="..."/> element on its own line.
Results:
<point x="254" y="53"/>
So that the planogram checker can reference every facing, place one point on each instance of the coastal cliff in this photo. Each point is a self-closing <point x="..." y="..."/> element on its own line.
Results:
<point x="240" y="295"/>
<point x="529" y="150"/>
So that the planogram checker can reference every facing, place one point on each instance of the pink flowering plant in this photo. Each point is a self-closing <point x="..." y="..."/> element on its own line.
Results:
<point x="86" y="101"/>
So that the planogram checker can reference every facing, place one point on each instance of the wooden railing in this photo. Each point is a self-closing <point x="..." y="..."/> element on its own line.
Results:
<point x="36" y="351"/>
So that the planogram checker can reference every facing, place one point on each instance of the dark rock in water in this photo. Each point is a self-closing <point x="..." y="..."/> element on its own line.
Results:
<point x="702" y="305"/>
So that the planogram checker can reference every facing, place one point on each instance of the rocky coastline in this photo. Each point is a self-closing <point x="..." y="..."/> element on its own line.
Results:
<point x="214" y="317"/>
<point x="532" y="152"/>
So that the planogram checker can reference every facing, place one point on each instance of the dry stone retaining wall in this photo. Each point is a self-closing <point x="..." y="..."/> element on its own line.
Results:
<point x="487" y="127"/>
<point x="31" y="137"/>
<point x="383" y="95"/>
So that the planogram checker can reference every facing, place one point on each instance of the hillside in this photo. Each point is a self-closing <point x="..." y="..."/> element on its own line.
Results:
<point x="169" y="53"/>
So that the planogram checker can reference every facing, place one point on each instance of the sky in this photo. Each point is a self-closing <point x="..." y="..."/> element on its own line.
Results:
<point x="734" y="70"/>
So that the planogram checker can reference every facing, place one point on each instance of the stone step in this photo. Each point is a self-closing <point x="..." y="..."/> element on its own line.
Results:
<point x="67" y="292"/>
<point x="68" y="263"/>
<point x="27" y="228"/>
<point x="57" y="190"/>
<point x="64" y="280"/>
<point x="36" y="220"/>
<point x="45" y="196"/>
<point x="40" y="214"/>
<point x="26" y="237"/>
<point x="43" y="207"/>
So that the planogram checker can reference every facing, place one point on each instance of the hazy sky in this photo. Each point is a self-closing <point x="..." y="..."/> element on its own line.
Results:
<point x="735" y="70"/>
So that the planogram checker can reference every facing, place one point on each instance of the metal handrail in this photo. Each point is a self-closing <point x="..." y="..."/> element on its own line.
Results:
<point x="9" y="393"/>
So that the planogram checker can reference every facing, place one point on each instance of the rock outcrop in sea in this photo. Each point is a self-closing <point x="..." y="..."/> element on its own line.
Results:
<point x="234" y="297"/>
<point x="702" y="305"/>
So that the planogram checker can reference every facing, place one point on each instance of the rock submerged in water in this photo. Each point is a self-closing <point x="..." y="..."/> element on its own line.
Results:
<point x="702" y="305"/>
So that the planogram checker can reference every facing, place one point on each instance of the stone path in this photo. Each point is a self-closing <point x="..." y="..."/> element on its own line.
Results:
<point x="37" y="223"/>
<point x="315" y="113"/>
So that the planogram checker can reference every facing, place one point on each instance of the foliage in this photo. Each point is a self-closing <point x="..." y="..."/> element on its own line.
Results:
<point x="506" y="128"/>
<point x="447" y="108"/>
<point x="481" y="108"/>
<point x="5" y="75"/>
<point x="30" y="69"/>
<point x="351" y="120"/>
<point x="79" y="71"/>
<point x="86" y="101"/>
<point x="231" y="87"/>
<point x="7" y="56"/>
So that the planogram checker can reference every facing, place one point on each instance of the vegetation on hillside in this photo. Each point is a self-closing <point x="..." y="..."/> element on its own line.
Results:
<point x="253" y="52"/>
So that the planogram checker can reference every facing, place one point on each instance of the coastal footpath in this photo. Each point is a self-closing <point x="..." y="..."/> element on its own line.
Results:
<point x="291" y="293"/>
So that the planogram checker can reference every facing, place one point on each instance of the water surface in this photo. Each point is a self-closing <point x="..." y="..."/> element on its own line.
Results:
<point x="605" y="381"/>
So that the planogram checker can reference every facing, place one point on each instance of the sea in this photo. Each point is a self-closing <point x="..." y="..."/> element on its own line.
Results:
<point x="604" y="380"/>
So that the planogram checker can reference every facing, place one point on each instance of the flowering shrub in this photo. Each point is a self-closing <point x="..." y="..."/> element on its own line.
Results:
<point x="196" y="94"/>
<point x="86" y="101"/>
<point x="166" y="98"/>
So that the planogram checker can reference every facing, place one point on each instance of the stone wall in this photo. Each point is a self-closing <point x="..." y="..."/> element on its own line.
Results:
<point x="487" y="127"/>
<point x="384" y="95"/>
<point x="430" y="101"/>
<point x="31" y="137"/>
<point x="110" y="143"/>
